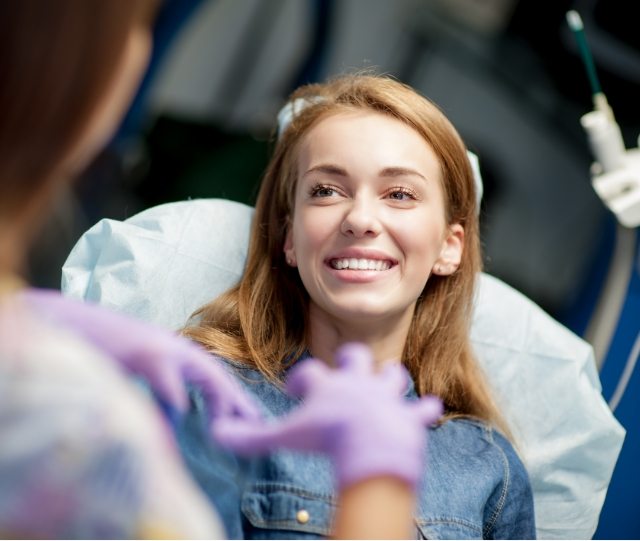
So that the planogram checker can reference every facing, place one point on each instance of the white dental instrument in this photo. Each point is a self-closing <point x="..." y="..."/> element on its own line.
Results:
<point x="616" y="179"/>
<point x="616" y="174"/>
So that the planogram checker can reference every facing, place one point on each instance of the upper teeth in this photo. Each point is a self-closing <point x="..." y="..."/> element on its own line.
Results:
<point x="360" y="264"/>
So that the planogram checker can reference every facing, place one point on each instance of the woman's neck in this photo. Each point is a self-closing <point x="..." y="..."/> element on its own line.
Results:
<point x="386" y="337"/>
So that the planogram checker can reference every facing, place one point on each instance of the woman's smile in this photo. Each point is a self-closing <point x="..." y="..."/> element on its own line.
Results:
<point x="360" y="265"/>
<point x="354" y="264"/>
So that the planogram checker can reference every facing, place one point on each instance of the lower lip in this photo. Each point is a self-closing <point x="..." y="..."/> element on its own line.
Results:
<point x="358" y="276"/>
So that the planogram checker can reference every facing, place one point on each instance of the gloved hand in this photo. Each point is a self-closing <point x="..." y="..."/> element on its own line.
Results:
<point x="355" y="415"/>
<point x="167" y="361"/>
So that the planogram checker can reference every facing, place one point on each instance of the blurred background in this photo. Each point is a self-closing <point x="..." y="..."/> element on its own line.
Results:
<point x="506" y="72"/>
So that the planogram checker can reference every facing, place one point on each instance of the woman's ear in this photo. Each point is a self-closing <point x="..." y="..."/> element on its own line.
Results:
<point x="289" y="252"/>
<point x="451" y="253"/>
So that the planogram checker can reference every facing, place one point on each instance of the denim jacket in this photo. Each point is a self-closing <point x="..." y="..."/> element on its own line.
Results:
<point x="475" y="486"/>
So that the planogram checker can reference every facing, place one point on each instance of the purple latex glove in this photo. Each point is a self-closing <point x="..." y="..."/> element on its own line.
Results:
<point x="355" y="415"/>
<point x="167" y="361"/>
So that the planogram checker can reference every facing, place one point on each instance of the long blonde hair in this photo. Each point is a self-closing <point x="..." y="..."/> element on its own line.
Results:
<point x="263" y="320"/>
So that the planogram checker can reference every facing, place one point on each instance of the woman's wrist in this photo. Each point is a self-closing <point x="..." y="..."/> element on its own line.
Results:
<point x="376" y="508"/>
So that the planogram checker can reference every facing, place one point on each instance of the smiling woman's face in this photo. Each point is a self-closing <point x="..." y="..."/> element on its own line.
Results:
<point x="369" y="219"/>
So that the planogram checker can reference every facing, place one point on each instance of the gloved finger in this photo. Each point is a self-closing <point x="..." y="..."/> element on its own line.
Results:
<point x="223" y="395"/>
<point x="428" y="409"/>
<point x="165" y="381"/>
<point x="304" y="375"/>
<point x="355" y="357"/>
<point x="254" y="438"/>
<point x="395" y="377"/>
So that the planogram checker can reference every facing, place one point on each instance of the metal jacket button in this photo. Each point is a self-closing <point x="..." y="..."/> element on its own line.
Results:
<point x="302" y="516"/>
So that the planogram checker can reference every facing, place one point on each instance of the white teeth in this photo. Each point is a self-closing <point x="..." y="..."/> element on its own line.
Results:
<point x="360" y="264"/>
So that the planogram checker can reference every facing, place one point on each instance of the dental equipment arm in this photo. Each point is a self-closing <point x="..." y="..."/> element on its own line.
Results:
<point x="615" y="177"/>
<point x="616" y="174"/>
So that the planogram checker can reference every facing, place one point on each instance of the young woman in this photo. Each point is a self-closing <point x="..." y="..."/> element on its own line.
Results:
<point x="366" y="230"/>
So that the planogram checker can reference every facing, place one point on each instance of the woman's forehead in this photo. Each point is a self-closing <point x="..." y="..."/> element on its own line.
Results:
<point x="359" y="137"/>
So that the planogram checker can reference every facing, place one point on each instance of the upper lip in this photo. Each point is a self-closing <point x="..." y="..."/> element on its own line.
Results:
<point x="362" y="253"/>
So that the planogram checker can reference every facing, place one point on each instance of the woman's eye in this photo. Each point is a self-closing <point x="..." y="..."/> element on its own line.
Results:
<point x="401" y="194"/>
<point x="322" y="191"/>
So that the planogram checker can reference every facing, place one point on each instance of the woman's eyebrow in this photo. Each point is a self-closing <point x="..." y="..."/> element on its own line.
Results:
<point x="400" y="172"/>
<point x="329" y="169"/>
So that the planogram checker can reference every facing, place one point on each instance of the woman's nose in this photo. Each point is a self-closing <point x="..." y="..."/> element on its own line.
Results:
<point x="361" y="220"/>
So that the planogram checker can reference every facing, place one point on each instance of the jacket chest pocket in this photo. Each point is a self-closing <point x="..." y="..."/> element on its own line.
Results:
<point x="277" y="511"/>
<point x="448" y="528"/>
